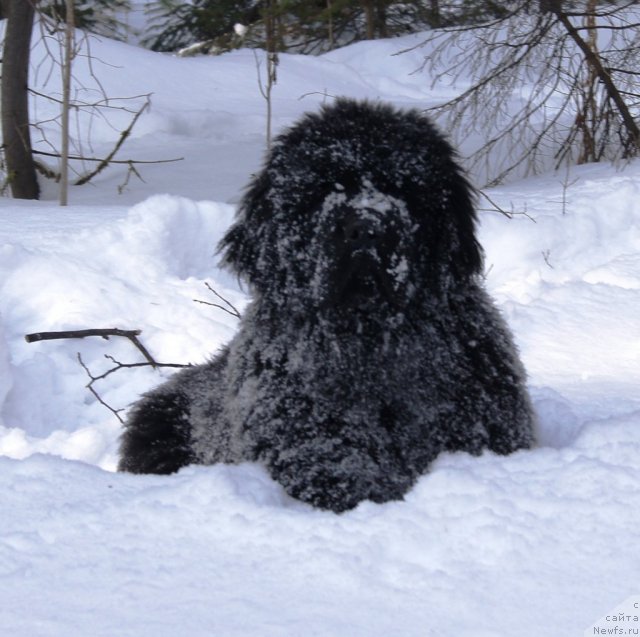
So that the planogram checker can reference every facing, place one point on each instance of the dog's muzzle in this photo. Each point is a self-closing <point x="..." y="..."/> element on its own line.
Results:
<point x="366" y="244"/>
<point x="361" y="233"/>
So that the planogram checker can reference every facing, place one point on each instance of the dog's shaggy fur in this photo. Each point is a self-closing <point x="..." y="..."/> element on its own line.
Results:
<point x="371" y="345"/>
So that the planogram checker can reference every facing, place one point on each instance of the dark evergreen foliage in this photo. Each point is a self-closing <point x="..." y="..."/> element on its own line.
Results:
<point x="95" y="16"/>
<point x="307" y="26"/>
<point x="175" y="25"/>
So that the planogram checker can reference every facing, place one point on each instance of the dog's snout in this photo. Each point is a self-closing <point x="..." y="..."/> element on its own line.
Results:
<point x="360" y="232"/>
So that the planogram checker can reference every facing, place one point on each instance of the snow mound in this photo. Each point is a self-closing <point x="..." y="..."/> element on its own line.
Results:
<point x="164" y="236"/>
<point x="141" y="271"/>
<point x="5" y="367"/>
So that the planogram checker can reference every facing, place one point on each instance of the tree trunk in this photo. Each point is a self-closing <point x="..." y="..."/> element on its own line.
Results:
<point x="369" y="19"/>
<point x="272" y="60"/>
<point x="381" y="19"/>
<point x="66" y="94"/>
<point x="330" y="25"/>
<point x="375" y="15"/>
<point x="15" y="100"/>
<point x="595" y="63"/>
<point x="434" y="13"/>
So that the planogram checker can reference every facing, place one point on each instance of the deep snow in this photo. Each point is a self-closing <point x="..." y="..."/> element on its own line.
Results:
<point x="543" y="542"/>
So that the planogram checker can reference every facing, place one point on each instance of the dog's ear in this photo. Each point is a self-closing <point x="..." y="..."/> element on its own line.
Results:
<point x="443" y="202"/>
<point x="243" y="243"/>
<point x="466" y="253"/>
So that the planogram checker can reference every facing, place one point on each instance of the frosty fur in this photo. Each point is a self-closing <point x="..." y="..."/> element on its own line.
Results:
<point x="370" y="345"/>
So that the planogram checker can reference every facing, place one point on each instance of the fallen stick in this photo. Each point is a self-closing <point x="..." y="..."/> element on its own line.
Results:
<point x="132" y="335"/>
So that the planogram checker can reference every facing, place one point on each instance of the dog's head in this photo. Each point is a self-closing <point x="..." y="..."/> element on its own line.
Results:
<point x="359" y="204"/>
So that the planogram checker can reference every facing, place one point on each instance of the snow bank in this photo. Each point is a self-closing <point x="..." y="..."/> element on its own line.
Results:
<point x="142" y="271"/>
<point x="521" y="545"/>
<point x="566" y="276"/>
<point x="5" y="367"/>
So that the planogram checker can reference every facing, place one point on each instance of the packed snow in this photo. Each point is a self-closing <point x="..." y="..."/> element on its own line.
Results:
<point x="543" y="542"/>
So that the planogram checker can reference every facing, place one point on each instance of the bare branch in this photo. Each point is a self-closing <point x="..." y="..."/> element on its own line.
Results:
<point x="123" y="136"/>
<point x="90" y="387"/>
<point x="593" y="60"/>
<point x="132" y="335"/>
<point x="559" y="86"/>
<point x="112" y="161"/>
<point x="82" y="100"/>
<point x="509" y="214"/>
<point x="104" y="333"/>
<point x="132" y="171"/>
<point x="233" y="311"/>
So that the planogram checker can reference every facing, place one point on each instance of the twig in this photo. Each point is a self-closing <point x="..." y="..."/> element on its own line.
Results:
<point x="44" y="170"/>
<point x="111" y="161"/>
<point x="89" y="386"/>
<point x="132" y="171"/>
<point x="495" y="206"/>
<point x="265" y="91"/>
<point x="323" y="93"/>
<point x="55" y="41"/>
<point x="99" y="104"/>
<point x="105" y="333"/>
<point x="132" y="335"/>
<point x="566" y="184"/>
<point x="509" y="214"/>
<point x="233" y="311"/>
<point x="118" y="366"/>
<point x="123" y="136"/>
<point x="68" y="57"/>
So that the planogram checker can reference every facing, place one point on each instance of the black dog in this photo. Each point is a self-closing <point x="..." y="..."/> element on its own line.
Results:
<point x="370" y="346"/>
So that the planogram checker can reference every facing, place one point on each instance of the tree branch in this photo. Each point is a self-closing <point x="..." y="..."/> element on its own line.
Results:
<point x="508" y="214"/>
<point x="105" y="162"/>
<point x="132" y="335"/>
<point x="90" y="387"/>
<point x="233" y="311"/>
<point x="111" y="161"/>
<point x="105" y="333"/>
<point x="593" y="60"/>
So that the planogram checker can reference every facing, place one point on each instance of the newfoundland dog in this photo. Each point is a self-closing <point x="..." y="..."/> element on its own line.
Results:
<point x="370" y="345"/>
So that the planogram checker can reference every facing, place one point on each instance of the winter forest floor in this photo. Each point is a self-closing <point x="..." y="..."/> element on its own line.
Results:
<point x="543" y="542"/>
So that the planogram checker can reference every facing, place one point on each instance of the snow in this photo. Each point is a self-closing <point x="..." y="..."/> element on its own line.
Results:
<point x="538" y="543"/>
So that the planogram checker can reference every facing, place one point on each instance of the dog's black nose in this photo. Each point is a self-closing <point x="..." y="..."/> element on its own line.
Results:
<point x="361" y="231"/>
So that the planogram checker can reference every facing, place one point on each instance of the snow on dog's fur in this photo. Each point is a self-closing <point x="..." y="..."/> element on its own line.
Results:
<point x="370" y="345"/>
